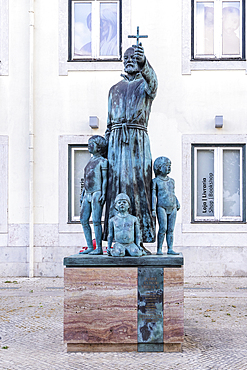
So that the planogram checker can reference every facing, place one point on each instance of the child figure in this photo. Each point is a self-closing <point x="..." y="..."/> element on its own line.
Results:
<point x="94" y="192"/>
<point x="165" y="202"/>
<point x="125" y="229"/>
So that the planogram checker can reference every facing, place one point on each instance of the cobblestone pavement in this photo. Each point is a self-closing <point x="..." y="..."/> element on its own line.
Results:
<point x="31" y="329"/>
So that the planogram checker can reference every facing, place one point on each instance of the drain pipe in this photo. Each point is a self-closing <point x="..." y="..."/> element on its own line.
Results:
<point x="31" y="135"/>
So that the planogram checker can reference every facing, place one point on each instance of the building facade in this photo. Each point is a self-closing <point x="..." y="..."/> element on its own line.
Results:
<point x="58" y="61"/>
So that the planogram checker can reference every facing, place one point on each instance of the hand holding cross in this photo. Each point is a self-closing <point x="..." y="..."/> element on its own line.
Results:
<point x="139" y="51"/>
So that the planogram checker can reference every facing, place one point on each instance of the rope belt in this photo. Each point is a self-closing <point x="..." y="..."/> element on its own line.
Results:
<point x="124" y="126"/>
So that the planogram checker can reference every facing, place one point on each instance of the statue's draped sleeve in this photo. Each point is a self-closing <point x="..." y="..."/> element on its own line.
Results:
<point x="151" y="80"/>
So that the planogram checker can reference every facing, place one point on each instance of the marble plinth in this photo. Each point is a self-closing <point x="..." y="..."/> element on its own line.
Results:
<point x="123" y="304"/>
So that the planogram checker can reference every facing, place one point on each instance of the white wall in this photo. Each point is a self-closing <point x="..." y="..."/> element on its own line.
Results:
<point x="185" y="104"/>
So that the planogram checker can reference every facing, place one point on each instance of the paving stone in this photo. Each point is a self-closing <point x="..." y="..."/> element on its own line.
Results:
<point x="31" y="326"/>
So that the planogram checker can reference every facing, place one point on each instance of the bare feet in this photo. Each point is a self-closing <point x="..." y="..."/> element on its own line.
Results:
<point x="97" y="251"/>
<point x="171" y="251"/>
<point x="87" y="251"/>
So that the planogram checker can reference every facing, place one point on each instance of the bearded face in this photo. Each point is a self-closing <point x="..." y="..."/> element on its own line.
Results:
<point x="130" y="63"/>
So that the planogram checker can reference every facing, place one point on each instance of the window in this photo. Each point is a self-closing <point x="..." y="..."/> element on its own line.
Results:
<point x="218" y="29"/>
<point x="95" y="30"/>
<point x="74" y="17"/>
<point x="68" y="226"/>
<point x="213" y="35"/>
<point x="218" y="182"/>
<point x="78" y="158"/>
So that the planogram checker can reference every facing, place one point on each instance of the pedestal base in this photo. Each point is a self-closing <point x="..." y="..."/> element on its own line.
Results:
<point x="123" y="304"/>
<point x="118" y="347"/>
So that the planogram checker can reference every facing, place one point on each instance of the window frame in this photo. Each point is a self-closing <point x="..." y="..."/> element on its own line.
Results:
<point x="71" y="159"/>
<point x="189" y="64"/>
<point x="95" y="58"/>
<point x="66" y="227"/>
<point x="72" y="219"/>
<point x="218" y="186"/>
<point x="217" y="36"/>
<point x="65" y="65"/>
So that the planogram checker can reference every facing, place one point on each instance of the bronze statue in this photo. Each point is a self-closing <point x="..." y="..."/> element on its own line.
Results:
<point x="165" y="202"/>
<point x="129" y="155"/>
<point x="94" y="192"/>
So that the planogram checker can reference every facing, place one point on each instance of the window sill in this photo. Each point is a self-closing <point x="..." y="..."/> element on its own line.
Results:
<point x="79" y="223"/>
<point x="99" y="65"/>
<point x="215" y="227"/>
<point x="212" y="64"/>
<point x="217" y="222"/>
<point x="204" y="59"/>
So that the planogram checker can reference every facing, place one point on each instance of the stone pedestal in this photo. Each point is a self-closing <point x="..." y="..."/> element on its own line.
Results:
<point x="123" y="303"/>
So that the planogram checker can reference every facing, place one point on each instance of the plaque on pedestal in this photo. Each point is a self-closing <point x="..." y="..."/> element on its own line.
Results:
<point x="150" y="309"/>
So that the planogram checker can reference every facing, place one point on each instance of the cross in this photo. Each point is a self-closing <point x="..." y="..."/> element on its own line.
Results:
<point x="137" y="37"/>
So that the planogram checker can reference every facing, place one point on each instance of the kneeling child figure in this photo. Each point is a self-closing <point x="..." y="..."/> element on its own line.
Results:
<point x="125" y="229"/>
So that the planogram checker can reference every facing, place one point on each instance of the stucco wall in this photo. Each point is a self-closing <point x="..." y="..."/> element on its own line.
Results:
<point x="185" y="104"/>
